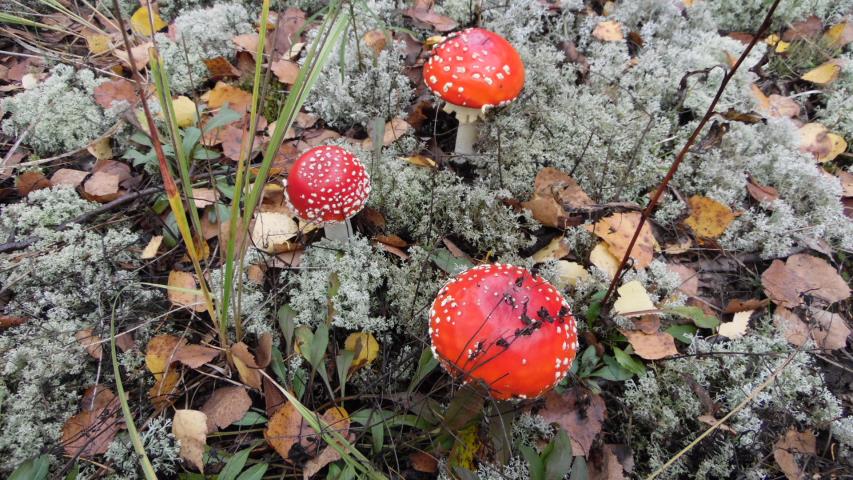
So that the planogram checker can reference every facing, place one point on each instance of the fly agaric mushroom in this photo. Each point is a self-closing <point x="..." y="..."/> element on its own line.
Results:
<point x="328" y="185"/>
<point x="506" y="327"/>
<point x="472" y="71"/>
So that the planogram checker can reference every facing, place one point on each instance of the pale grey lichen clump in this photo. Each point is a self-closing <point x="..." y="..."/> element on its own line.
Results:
<point x="203" y="34"/>
<point x="62" y="284"/>
<point x="59" y="114"/>
<point x="744" y="15"/>
<point x="160" y="445"/>
<point x="664" y="409"/>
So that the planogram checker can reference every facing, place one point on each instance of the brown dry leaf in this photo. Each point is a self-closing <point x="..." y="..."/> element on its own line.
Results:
<point x="394" y="129"/>
<point x="839" y="34"/>
<point x="553" y="191"/>
<point x="846" y="179"/>
<point x="736" y="305"/>
<point x="160" y="353"/>
<point x="737" y="327"/>
<point x="648" y="324"/>
<point x="327" y="456"/>
<point x="440" y="23"/>
<point x="761" y="193"/>
<point x="194" y="356"/>
<point x="273" y="231"/>
<point x="125" y="341"/>
<point x="68" y="176"/>
<point x="163" y="393"/>
<point x="150" y="250"/>
<point x="140" y="54"/>
<point x="786" y="283"/>
<point x="617" y="230"/>
<point x="708" y="217"/>
<point x="180" y="283"/>
<point x="689" y="278"/>
<point x="220" y="67"/>
<point x="423" y="462"/>
<point x="807" y="28"/>
<point x="420" y="161"/>
<point x="31" y="181"/>
<point x="775" y="106"/>
<point x="205" y="196"/>
<point x="91" y="431"/>
<point x="225" y="406"/>
<point x="795" y="330"/>
<point x="263" y="354"/>
<point x="286" y="71"/>
<point x="604" y="260"/>
<point x="651" y="347"/>
<point x="190" y="428"/>
<point x="579" y="412"/>
<point x="710" y="420"/>
<point x="7" y="321"/>
<point x="609" y="31"/>
<point x="102" y="187"/>
<point x="284" y="429"/>
<point x="248" y="42"/>
<point x="115" y="91"/>
<point x="237" y="99"/>
<point x="786" y="447"/>
<point x="823" y="74"/>
<point x="604" y="465"/>
<point x="91" y="342"/>
<point x="246" y="365"/>
<point x="831" y="330"/>
<point x="376" y="40"/>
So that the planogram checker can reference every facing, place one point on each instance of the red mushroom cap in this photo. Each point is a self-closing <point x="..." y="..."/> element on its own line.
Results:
<point x="475" y="68"/>
<point x="506" y="327"/>
<point x="327" y="184"/>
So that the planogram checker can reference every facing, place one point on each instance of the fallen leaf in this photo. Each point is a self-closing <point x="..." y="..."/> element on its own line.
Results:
<point x="440" y="23"/>
<point x="609" y="31"/>
<point x="246" y="364"/>
<point x="581" y="414"/>
<point x="839" y="34"/>
<point x="553" y="192"/>
<point x="364" y="346"/>
<point x="761" y="193"/>
<point x="284" y="429"/>
<point x="150" y="250"/>
<point x="273" y="231"/>
<point x="824" y="74"/>
<point x="708" y="218"/>
<point x="140" y="53"/>
<point x="111" y="91"/>
<point x="101" y="148"/>
<point x="785" y="448"/>
<point x="237" y="99"/>
<point x="220" y="67"/>
<point x="91" y="431"/>
<point x="737" y="327"/>
<point x="376" y="40"/>
<point x="556" y="249"/>
<point x="823" y="144"/>
<point x="164" y="391"/>
<point x="286" y="71"/>
<point x="604" y="260"/>
<point x="807" y="28"/>
<point x="31" y="181"/>
<point x="190" y="428"/>
<point x="633" y="298"/>
<point x="736" y="305"/>
<point x="605" y="465"/>
<point x="90" y="342"/>
<point x="423" y="462"/>
<point x="803" y="275"/>
<point x="159" y="354"/>
<point x="185" y="111"/>
<point x="179" y="284"/>
<point x="247" y="41"/>
<point x="194" y="356"/>
<point x="102" y="187"/>
<point x="795" y="330"/>
<point x="97" y="43"/>
<point x="225" y="406"/>
<point x="651" y="346"/>
<point x="846" y="179"/>
<point x="830" y="331"/>
<point x="140" y="24"/>
<point x="618" y="229"/>
<point x="570" y="273"/>
<point x="420" y="161"/>
<point x="648" y="323"/>
<point x="689" y="278"/>
<point x="775" y="106"/>
<point x="394" y="130"/>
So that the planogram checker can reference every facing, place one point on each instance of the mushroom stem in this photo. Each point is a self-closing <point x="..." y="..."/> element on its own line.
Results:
<point x="338" y="231"/>
<point x="466" y="135"/>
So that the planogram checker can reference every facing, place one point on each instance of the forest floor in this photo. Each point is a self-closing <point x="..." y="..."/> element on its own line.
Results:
<point x="679" y="170"/>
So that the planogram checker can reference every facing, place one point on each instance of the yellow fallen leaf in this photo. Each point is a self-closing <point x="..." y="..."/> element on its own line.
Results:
<point x="823" y="74"/>
<point x="555" y="250"/>
<point x="97" y="43"/>
<point x="737" y="327"/>
<point x="190" y="428"/>
<point x="837" y="146"/>
<point x="139" y="22"/>
<point x="633" y="297"/>
<point x="618" y="229"/>
<point x="420" y="161"/>
<point x="570" y="273"/>
<point x="608" y="31"/>
<point x="817" y="139"/>
<point x="782" y="47"/>
<point x="159" y="354"/>
<point x="150" y="250"/>
<point x="772" y="39"/>
<point x="364" y="346"/>
<point x="185" y="111"/>
<point x="101" y="148"/>
<point x="708" y="217"/>
<point x="604" y="260"/>
<point x="839" y="34"/>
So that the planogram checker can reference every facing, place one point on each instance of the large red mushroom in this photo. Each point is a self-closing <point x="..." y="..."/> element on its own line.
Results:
<point x="472" y="71"/>
<point x="328" y="185"/>
<point x="505" y="327"/>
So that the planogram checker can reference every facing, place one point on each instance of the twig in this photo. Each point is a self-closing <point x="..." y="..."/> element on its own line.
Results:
<point x="690" y="141"/>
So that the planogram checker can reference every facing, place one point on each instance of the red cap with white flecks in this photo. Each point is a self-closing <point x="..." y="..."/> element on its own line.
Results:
<point x="327" y="184"/>
<point x="475" y="68"/>
<point x="506" y="327"/>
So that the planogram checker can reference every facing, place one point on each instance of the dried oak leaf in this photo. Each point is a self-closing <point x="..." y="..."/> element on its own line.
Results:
<point x="579" y="412"/>
<point x="617" y="230"/>
<point x="115" y="91"/>
<point x="708" y="218"/>
<point x="651" y="346"/>
<point x="190" y="428"/>
<point x="225" y="406"/>
<point x="792" y="443"/>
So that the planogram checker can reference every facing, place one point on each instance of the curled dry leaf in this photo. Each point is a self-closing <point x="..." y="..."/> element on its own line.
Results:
<point x="708" y="217"/>
<point x="651" y="346"/>
<point x="785" y="449"/>
<point x="181" y="292"/>
<point x="225" y="406"/>
<point x="91" y="342"/>
<point x="617" y="230"/>
<point x="609" y="31"/>
<point x="581" y="414"/>
<point x="190" y="428"/>
<point x="553" y="192"/>
<point x="246" y="364"/>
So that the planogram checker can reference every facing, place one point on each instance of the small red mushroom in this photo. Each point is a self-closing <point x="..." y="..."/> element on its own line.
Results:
<point x="328" y="185"/>
<point x="472" y="71"/>
<point x="506" y="327"/>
